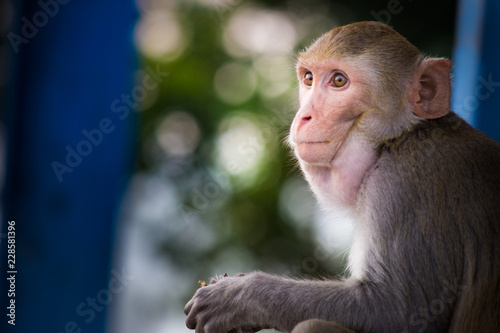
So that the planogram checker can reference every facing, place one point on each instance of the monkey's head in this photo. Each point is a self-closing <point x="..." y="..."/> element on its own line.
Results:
<point x="363" y="82"/>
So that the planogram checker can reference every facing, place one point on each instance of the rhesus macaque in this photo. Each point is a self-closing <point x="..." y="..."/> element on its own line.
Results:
<point x="374" y="136"/>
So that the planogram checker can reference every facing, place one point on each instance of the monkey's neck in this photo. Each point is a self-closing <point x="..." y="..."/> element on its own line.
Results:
<point x="339" y="183"/>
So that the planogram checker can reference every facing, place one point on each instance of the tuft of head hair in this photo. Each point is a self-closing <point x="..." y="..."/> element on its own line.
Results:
<point x="366" y="40"/>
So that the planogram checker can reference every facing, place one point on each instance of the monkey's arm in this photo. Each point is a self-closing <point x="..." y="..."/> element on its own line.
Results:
<point x="258" y="300"/>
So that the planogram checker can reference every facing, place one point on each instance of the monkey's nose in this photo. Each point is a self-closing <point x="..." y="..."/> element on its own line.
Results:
<point x="303" y="121"/>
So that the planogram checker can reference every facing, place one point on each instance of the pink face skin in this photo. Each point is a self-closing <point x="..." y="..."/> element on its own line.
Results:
<point x="327" y="112"/>
<point x="333" y="157"/>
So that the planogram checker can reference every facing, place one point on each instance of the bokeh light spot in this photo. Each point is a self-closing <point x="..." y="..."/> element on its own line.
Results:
<point x="240" y="149"/>
<point x="160" y="35"/>
<point x="178" y="134"/>
<point x="235" y="83"/>
<point x="257" y="31"/>
<point x="275" y="75"/>
<point x="296" y="202"/>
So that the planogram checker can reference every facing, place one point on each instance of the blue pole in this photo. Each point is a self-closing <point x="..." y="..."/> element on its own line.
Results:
<point x="69" y="157"/>
<point x="476" y="94"/>
<point x="488" y="93"/>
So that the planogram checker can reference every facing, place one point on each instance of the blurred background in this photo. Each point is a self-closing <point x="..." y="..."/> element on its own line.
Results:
<point x="143" y="146"/>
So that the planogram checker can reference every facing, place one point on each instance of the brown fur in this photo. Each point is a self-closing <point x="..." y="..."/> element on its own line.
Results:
<point x="433" y="203"/>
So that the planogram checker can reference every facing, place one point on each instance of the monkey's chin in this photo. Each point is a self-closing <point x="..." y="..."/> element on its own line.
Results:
<point x="315" y="153"/>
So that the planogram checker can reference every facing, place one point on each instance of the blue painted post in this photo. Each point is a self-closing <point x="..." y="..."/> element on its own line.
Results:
<point x="476" y="91"/>
<point x="488" y="117"/>
<point x="71" y="149"/>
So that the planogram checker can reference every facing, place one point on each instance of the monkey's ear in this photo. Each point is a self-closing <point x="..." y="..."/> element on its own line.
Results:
<point x="430" y="97"/>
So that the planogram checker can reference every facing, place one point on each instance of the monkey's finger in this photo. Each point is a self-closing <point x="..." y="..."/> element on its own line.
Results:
<point x="188" y="307"/>
<point x="197" y="320"/>
<point x="191" y="323"/>
<point x="200" y="329"/>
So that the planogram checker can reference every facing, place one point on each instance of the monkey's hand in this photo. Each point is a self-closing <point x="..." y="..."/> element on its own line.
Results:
<point x="228" y="304"/>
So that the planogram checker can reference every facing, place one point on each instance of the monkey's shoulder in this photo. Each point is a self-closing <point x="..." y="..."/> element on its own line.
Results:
<point x="448" y="169"/>
<point x="444" y="157"/>
<point x="446" y="136"/>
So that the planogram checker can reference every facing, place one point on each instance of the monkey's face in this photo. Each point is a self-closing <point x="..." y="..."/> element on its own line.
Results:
<point x="331" y="96"/>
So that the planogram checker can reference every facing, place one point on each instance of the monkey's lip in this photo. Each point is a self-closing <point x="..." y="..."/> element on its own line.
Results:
<point x="313" y="142"/>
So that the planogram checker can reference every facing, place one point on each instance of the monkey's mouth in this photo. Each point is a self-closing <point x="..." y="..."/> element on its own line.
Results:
<point x="328" y="142"/>
<point x="317" y="142"/>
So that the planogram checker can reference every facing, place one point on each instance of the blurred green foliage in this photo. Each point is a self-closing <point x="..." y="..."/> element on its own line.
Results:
<point x="249" y="217"/>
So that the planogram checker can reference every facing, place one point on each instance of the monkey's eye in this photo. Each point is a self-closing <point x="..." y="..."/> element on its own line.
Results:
<point x="308" y="79"/>
<point x="339" y="80"/>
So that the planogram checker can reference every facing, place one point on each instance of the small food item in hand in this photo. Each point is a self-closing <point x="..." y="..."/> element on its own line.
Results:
<point x="213" y="280"/>
<point x="218" y="278"/>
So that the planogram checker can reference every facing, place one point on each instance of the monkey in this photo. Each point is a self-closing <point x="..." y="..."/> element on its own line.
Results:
<point x="375" y="137"/>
